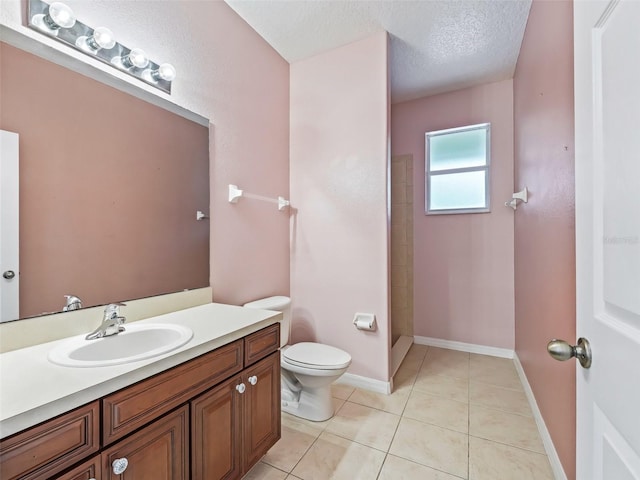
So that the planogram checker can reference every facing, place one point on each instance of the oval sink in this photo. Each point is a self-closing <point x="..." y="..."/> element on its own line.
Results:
<point x="137" y="342"/>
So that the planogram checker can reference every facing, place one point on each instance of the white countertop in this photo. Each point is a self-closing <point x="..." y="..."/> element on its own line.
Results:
<point x="32" y="389"/>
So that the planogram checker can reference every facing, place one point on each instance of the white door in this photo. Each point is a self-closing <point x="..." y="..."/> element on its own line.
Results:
<point x="607" y="108"/>
<point x="9" y="278"/>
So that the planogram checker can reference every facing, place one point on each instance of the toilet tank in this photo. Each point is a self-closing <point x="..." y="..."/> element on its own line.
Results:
<point x="279" y="304"/>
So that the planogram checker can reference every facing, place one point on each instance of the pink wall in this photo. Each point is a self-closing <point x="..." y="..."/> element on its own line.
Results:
<point x="463" y="264"/>
<point x="544" y="228"/>
<point x="339" y="162"/>
<point x="248" y="96"/>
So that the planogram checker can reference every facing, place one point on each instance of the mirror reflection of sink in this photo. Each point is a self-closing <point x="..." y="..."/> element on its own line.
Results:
<point x="137" y="342"/>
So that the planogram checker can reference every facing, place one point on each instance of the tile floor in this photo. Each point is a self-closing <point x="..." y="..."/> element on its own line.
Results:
<point x="453" y="415"/>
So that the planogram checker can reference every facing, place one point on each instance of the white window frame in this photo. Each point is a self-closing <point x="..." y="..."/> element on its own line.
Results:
<point x="486" y="168"/>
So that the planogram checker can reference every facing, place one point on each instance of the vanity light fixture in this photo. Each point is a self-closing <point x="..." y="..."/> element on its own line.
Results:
<point x="58" y="21"/>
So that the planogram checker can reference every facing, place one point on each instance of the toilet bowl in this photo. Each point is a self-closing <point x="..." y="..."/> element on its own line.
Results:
<point x="307" y="369"/>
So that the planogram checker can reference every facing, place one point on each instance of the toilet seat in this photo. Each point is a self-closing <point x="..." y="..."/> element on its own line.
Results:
<point x="316" y="356"/>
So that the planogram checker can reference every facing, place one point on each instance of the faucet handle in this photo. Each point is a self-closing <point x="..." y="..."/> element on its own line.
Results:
<point x="113" y="310"/>
<point x="114" y="306"/>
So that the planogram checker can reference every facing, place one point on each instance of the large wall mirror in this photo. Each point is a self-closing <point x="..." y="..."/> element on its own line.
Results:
<point x="109" y="189"/>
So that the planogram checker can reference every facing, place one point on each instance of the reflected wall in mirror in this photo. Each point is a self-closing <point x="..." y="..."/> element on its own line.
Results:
<point x="109" y="189"/>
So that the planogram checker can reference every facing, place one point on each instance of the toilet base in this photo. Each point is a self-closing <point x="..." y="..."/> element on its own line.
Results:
<point x="314" y="404"/>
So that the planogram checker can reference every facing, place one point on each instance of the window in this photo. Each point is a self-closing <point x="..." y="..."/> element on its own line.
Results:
<point x="457" y="170"/>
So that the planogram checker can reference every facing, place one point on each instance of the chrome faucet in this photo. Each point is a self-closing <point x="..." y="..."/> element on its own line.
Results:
<point x="111" y="322"/>
<point x="73" y="303"/>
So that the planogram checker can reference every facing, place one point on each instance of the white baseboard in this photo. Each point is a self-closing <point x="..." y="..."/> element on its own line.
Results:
<point x="464" y="347"/>
<point x="554" y="460"/>
<point x="365" y="383"/>
<point x="399" y="351"/>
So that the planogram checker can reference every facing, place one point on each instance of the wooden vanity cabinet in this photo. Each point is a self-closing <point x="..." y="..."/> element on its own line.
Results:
<point x="209" y="418"/>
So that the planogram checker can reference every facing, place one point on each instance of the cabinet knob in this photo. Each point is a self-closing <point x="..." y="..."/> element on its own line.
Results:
<point x="253" y="379"/>
<point x="241" y="388"/>
<point x="120" y="465"/>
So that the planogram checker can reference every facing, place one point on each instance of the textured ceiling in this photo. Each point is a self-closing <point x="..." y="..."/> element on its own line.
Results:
<point x="436" y="45"/>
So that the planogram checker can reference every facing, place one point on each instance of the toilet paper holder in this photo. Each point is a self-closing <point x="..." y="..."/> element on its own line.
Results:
<point x="365" y="321"/>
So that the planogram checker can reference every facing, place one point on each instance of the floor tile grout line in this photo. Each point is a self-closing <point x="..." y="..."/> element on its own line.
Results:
<point x="305" y="452"/>
<point x="511" y="389"/>
<point x="382" y="465"/>
<point x="501" y="410"/>
<point x="425" y="423"/>
<point x="425" y="465"/>
<point x="447" y="397"/>
<point x="508" y="445"/>
<point x="412" y="385"/>
<point x="373" y="408"/>
<point x="363" y="444"/>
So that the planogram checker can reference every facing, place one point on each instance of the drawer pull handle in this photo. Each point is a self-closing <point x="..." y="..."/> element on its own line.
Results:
<point x="120" y="465"/>
<point x="253" y="379"/>
<point x="241" y="388"/>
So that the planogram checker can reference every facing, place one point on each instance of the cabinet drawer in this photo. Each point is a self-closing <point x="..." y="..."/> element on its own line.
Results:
<point x="89" y="470"/>
<point x="133" y="407"/>
<point x="47" y="449"/>
<point x="261" y="343"/>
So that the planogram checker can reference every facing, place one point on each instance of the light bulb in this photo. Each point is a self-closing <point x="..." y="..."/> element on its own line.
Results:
<point x="102" y="38"/>
<point x="59" y="16"/>
<point x="135" y="58"/>
<point x="166" y="72"/>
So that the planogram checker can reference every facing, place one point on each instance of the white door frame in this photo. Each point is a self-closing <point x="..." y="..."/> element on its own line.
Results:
<point x="9" y="226"/>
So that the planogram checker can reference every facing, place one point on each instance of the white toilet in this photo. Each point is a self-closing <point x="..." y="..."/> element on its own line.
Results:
<point x="307" y="368"/>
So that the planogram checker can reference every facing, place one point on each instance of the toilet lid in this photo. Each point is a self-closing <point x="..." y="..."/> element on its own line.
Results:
<point x="317" y="355"/>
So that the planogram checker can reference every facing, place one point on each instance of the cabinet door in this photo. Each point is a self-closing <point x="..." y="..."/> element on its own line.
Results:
<point x="261" y="422"/>
<point x="216" y="427"/>
<point x="157" y="452"/>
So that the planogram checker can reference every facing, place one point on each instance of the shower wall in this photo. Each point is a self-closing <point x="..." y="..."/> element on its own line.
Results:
<point x="401" y="246"/>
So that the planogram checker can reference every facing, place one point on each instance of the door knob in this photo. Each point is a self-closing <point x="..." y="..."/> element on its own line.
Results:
<point x="9" y="274"/>
<point x="253" y="379"/>
<point x="241" y="388"/>
<point x="561" y="350"/>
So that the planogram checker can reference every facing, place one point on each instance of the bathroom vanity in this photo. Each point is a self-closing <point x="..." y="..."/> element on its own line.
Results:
<point x="208" y="410"/>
